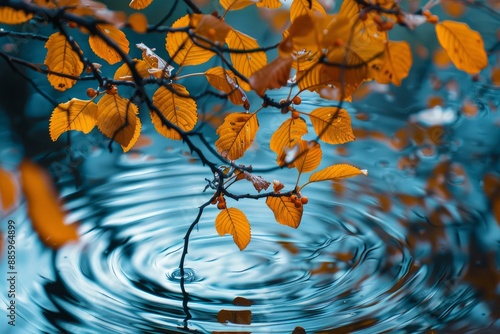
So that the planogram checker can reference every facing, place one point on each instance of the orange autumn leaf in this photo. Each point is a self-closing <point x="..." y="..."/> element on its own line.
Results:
<point x="177" y="109"/>
<point x="303" y="7"/>
<point x="97" y="10"/>
<point x="210" y="28"/>
<point x="13" y="16"/>
<point x="45" y="211"/>
<point x="285" y="211"/>
<point x="138" y="22"/>
<point x="349" y="9"/>
<point x="8" y="190"/>
<point x="62" y="59"/>
<point x="325" y="31"/>
<point x="236" y="4"/>
<point x="236" y="135"/>
<point x="225" y="80"/>
<point x="344" y="72"/>
<point x="332" y="125"/>
<point x="394" y="65"/>
<point x="269" y="3"/>
<point x="307" y="156"/>
<point x="233" y="221"/>
<point x="79" y="115"/>
<point x="240" y="4"/>
<point x="495" y="76"/>
<point x="181" y="48"/>
<point x="286" y="136"/>
<point x="440" y="58"/>
<point x="118" y="120"/>
<point x="454" y="8"/>
<point x="464" y="46"/>
<point x="355" y="58"/>
<point x="335" y="172"/>
<point x="139" y="4"/>
<point x="245" y="63"/>
<point x="56" y="3"/>
<point x="124" y="73"/>
<point x="105" y="51"/>
<point x="272" y="76"/>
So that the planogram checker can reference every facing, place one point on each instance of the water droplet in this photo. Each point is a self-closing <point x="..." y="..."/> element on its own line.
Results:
<point x="189" y="275"/>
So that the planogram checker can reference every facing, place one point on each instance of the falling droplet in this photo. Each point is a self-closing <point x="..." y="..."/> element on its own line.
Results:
<point x="189" y="275"/>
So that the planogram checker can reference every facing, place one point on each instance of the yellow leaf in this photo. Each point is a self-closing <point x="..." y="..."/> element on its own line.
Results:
<point x="57" y="3"/>
<point x="140" y="4"/>
<point x="118" y="120"/>
<point x="269" y="3"/>
<point x="349" y="9"/>
<point x="332" y="125"/>
<point x="323" y="31"/>
<point x="138" y="22"/>
<point x="303" y="7"/>
<point x="334" y="30"/>
<point x="348" y="64"/>
<point x="454" y="8"/>
<point x="236" y="135"/>
<point x="62" y="59"/>
<point x="394" y="65"/>
<point x="44" y="209"/>
<point x="321" y="79"/>
<point x="346" y="67"/>
<point x="8" y="190"/>
<point x="177" y="109"/>
<point x="287" y="135"/>
<point x="123" y="72"/>
<point x="245" y="63"/>
<point x="225" y="80"/>
<point x="103" y="50"/>
<point x="308" y="156"/>
<point x="13" y="16"/>
<point x="272" y="76"/>
<point x="335" y="172"/>
<point x="181" y="48"/>
<point x="464" y="46"/>
<point x="239" y="4"/>
<point x="209" y="27"/>
<point x="233" y="221"/>
<point x="236" y="4"/>
<point x="285" y="211"/>
<point x="79" y="115"/>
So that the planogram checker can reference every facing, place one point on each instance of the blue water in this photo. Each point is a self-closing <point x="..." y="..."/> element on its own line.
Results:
<point x="363" y="260"/>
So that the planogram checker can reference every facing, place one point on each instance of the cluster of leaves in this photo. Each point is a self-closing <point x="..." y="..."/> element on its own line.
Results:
<point x="330" y="54"/>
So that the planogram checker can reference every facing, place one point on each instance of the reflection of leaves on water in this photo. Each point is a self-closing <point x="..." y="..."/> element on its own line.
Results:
<point x="351" y="327"/>
<point x="47" y="215"/>
<point x="8" y="190"/>
<point x="240" y="301"/>
<point x="482" y="272"/>
<point x="243" y="317"/>
<point x="299" y="330"/>
<point x="491" y="184"/>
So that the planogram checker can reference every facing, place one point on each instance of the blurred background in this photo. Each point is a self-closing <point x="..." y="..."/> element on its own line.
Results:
<point x="411" y="248"/>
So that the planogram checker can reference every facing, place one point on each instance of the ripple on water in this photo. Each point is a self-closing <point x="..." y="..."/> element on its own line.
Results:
<point x="350" y="265"/>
